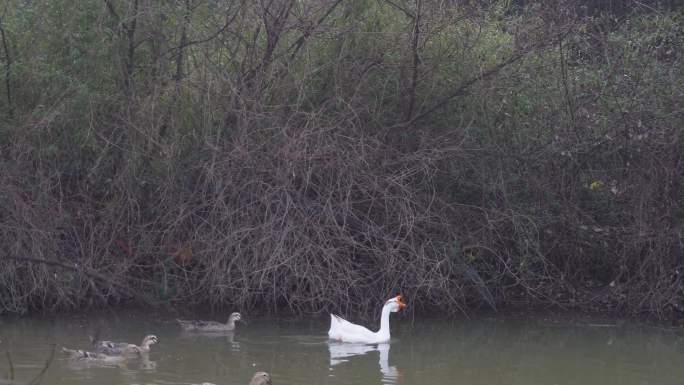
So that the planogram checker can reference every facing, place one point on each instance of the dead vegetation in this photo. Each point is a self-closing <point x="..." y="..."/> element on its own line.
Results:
<point x="278" y="157"/>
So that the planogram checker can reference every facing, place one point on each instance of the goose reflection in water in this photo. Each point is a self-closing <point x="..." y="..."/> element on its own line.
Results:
<point x="343" y="352"/>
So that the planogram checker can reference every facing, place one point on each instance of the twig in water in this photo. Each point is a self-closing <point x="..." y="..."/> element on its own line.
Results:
<point x="36" y="380"/>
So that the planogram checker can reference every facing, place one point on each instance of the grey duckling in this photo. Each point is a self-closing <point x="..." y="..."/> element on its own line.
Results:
<point x="123" y="348"/>
<point x="211" y="326"/>
<point x="261" y="378"/>
<point x="84" y="355"/>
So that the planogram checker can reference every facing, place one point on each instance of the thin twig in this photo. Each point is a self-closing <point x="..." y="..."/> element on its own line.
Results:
<point x="8" y="70"/>
<point x="38" y="378"/>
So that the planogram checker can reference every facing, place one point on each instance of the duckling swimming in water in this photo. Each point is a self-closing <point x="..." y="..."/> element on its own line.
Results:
<point x="84" y="355"/>
<point x="211" y="326"/>
<point x="261" y="378"/>
<point x="123" y="348"/>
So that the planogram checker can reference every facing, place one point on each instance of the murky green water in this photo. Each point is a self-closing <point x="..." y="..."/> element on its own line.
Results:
<point x="469" y="352"/>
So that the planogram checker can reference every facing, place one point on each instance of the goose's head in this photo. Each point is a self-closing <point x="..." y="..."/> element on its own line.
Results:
<point x="261" y="378"/>
<point x="395" y="304"/>
<point x="149" y="341"/>
<point x="234" y="317"/>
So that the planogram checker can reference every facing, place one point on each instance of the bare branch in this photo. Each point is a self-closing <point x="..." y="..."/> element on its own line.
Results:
<point x="229" y="20"/>
<point x="463" y="87"/>
<point x="297" y="45"/>
<point x="415" y="38"/>
<point x="86" y="272"/>
<point x="112" y="10"/>
<point x="402" y="9"/>
<point x="8" y="70"/>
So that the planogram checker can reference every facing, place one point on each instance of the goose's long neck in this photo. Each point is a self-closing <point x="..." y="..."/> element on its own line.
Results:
<point x="384" y="321"/>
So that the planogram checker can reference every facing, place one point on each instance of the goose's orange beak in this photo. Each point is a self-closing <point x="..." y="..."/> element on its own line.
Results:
<point x="401" y="304"/>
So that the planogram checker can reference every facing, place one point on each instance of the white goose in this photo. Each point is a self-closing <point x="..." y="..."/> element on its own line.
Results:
<point x="345" y="331"/>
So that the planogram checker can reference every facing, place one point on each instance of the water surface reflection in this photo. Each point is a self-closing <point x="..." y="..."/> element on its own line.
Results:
<point x="466" y="352"/>
<point x="344" y="352"/>
<point x="198" y="336"/>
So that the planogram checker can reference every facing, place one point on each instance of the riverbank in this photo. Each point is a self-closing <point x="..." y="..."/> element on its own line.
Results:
<point x="166" y="314"/>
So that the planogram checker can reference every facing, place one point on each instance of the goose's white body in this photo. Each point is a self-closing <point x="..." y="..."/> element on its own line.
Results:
<point x="345" y="331"/>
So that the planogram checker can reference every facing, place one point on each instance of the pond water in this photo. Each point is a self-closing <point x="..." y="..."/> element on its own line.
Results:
<point x="470" y="352"/>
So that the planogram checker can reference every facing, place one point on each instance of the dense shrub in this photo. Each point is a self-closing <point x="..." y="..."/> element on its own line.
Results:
<point x="323" y="155"/>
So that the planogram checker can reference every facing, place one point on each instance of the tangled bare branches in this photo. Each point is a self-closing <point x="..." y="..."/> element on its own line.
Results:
<point x="280" y="157"/>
